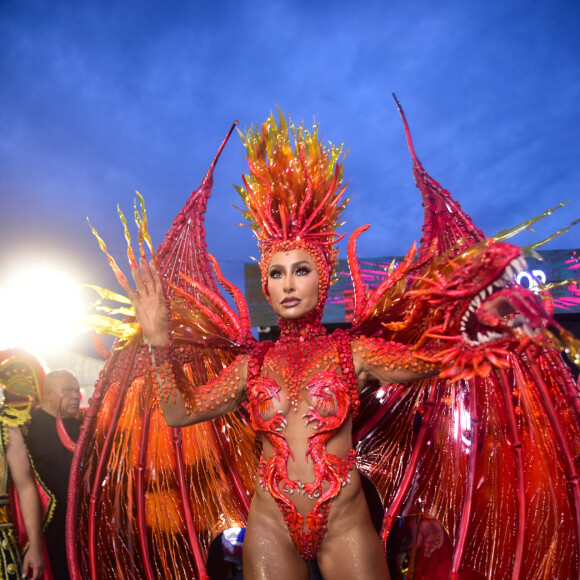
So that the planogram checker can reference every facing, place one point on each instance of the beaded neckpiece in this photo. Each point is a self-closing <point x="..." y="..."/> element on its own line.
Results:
<point x="303" y="329"/>
<point x="303" y="344"/>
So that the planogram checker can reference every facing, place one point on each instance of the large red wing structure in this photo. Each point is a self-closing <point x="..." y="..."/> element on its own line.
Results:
<point x="146" y="500"/>
<point x="493" y="458"/>
<point x="490" y="453"/>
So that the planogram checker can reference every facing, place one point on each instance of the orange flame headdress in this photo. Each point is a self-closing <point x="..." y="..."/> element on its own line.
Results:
<point x="293" y="194"/>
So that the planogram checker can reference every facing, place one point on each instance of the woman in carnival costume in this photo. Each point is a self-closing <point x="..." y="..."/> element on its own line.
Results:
<point x="301" y="394"/>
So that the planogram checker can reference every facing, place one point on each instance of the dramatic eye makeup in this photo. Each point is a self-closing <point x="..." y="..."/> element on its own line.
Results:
<point x="299" y="269"/>
<point x="303" y="269"/>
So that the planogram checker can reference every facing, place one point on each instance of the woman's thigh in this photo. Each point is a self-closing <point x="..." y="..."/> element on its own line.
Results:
<point x="354" y="551"/>
<point x="353" y="556"/>
<point x="269" y="552"/>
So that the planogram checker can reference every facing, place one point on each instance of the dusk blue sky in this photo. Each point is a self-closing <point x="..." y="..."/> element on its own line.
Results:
<point x="98" y="99"/>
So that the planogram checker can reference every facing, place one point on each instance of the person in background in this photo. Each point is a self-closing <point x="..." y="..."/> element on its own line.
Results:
<point x="15" y="466"/>
<point x="52" y="459"/>
<point x="14" y="455"/>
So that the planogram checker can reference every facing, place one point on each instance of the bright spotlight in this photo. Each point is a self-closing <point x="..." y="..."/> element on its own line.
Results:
<point x="40" y="308"/>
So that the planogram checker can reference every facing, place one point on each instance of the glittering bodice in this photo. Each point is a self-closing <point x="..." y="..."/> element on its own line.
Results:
<point x="302" y="372"/>
<point x="300" y="399"/>
<point x="292" y="370"/>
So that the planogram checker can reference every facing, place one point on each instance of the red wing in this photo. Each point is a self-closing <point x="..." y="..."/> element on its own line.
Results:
<point x="491" y="451"/>
<point x="493" y="460"/>
<point x="145" y="500"/>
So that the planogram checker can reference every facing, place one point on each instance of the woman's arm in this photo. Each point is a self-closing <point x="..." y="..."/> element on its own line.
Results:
<point x="389" y="362"/>
<point x="217" y="397"/>
<point x="21" y="474"/>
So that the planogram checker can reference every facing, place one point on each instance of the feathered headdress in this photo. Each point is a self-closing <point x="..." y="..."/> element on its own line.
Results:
<point x="293" y="193"/>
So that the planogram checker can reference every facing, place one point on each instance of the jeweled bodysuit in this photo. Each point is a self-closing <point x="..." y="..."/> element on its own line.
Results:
<point x="307" y="376"/>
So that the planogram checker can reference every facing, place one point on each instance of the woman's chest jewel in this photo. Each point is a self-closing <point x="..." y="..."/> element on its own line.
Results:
<point x="315" y="398"/>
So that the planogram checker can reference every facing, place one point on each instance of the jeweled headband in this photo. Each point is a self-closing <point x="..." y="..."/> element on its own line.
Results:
<point x="293" y="194"/>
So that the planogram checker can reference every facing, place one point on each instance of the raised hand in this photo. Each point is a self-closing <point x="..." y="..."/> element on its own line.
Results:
<point x="149" y="301"/>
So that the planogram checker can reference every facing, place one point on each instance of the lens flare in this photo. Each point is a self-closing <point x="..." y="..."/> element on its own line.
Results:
<point x="40" y="308"/>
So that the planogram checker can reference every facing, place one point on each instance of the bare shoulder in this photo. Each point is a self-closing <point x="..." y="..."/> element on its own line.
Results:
<point x="388" y="361"/>
<point x="367" y="343"/>
<point x="362" y="348"/>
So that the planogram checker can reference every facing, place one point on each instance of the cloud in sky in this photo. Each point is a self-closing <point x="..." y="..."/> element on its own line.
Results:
<point x="100" y="99"/>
